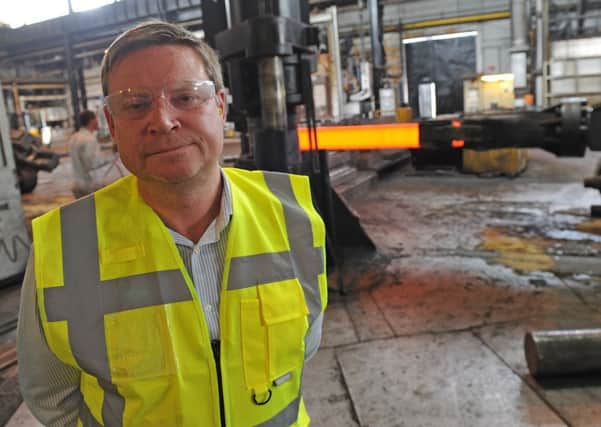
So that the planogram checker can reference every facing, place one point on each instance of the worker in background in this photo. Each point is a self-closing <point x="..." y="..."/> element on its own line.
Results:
<point x="85" y="155"/>
<point x="185" y="294"/>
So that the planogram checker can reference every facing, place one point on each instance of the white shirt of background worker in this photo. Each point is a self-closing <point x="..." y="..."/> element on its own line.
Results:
<point x="85" y="155"/>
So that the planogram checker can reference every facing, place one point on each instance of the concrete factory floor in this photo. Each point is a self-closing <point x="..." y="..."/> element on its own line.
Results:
<point x="431" y="332"/>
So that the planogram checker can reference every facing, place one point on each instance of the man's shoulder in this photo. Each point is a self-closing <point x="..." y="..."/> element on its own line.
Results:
<point x="52" y="215"/>
<point x="119" y="190"/>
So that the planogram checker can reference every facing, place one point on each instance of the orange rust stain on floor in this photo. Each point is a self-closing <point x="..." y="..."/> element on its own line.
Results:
<point x="523" y="255"/>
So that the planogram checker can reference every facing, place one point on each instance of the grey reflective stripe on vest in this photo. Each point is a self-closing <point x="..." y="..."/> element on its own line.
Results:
<point x="285" y="417"/>
<point x="83" y="300"/>
<point x="303" y="260"/>
<point x="256" y="269"/>
<point x="86" y="417"/>
<point x="307" y="260"/>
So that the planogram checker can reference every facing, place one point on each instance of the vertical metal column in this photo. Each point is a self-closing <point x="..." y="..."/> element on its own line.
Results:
<point x="542" y="50"/>
<point x="82" y="87"/>
<point x="582" y="7"/>
<point x="17" y="101"/>
<point x="334" y="48"/>
<point x="72" y="79"/>
<point x="519" y="47"/>
<point x="376" y="48"/>
<point x="228" y="13"/>
<point x="272" y="88"/>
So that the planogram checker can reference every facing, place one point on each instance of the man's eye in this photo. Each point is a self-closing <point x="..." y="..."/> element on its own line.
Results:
<point x="187" y="99"/>
<point x="135" y="104"/>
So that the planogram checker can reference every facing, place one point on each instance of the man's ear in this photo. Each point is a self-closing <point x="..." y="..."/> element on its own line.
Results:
<point x="221" y="104"/>
<point x="109" y="121"/>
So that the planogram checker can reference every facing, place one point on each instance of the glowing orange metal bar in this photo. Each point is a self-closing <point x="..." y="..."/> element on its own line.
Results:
<point x="363" y="137"/>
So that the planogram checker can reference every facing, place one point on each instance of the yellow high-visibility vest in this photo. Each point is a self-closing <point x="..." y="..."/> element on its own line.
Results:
<point x="117" y="303"/>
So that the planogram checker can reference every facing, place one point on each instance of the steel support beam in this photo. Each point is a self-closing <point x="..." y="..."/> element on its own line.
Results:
<point x="72" y="79"/>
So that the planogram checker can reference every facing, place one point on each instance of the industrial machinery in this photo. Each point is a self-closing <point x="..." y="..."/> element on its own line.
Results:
<point x="14" y="240"/>
<point x="30" y="158"/>
<point x="268" y="49"/>
<point x="566" y="130"/>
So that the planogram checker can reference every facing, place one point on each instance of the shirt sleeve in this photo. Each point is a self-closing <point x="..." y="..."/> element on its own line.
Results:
<point x="49" y="387"/>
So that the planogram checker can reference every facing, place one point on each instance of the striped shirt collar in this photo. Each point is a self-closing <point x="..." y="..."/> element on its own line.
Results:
<point x="213" y="232"/>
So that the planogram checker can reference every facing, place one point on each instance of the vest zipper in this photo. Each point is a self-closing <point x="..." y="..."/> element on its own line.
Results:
<point x="216" y="346"/>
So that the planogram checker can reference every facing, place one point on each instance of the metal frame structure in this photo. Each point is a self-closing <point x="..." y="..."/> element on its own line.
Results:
<point x="58" y="49"/>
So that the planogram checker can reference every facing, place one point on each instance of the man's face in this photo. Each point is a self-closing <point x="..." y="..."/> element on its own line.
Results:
<point x="166" y="144"/>
<point x="94" y="124"/>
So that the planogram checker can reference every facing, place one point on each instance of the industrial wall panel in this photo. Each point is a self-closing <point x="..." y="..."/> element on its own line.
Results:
<point x="491" y="58"/>
<point x="576" y="48"/>
<point x="495" y="35"/>
<point x="432" y="9"/>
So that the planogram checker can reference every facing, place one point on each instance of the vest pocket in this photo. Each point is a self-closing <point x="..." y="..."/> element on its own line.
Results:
<point x="284" y="313"/>
<point x="273" y="332"/>
<point x="138" y="345"/>
<point x="254" y="346"/>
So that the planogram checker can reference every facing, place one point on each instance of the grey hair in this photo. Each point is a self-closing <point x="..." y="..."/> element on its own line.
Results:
<point x="153" y="33"/>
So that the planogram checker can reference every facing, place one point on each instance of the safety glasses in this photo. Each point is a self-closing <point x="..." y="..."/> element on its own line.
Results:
<point x="135" y="103"/>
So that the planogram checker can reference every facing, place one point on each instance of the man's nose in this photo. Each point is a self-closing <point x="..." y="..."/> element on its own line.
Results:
<point x="162" y="117"/>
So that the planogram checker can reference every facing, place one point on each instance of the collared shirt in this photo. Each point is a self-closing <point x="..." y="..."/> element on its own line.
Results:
<point x="205" y="260"/>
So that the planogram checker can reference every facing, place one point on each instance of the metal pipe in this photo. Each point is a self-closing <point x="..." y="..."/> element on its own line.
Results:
<point x="519" y="47"/>
<point x="273" y="93"/>
<point x="455" y="20"/>
<point x="539" y="35"/>
<point x="542" y="49"/>
<point x="335" y="51"/>
<point x="228" y="13"/>
<point x="519" y="24"/>
<point x="563" y="352"/>
<point x="376" y="48"/>
<point x="431" y="23"/>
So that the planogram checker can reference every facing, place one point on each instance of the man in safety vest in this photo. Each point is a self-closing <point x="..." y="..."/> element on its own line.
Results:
<point x="186" y="294"/>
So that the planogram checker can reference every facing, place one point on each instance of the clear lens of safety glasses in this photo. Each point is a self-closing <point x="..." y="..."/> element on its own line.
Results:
<point x="135" y="103"/>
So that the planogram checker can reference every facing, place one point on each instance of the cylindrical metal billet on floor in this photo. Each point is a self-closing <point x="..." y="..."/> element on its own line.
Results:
<point x="562" y="353"/>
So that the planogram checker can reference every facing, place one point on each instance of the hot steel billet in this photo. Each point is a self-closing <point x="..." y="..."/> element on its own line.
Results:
<point x="563" y="352"/>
